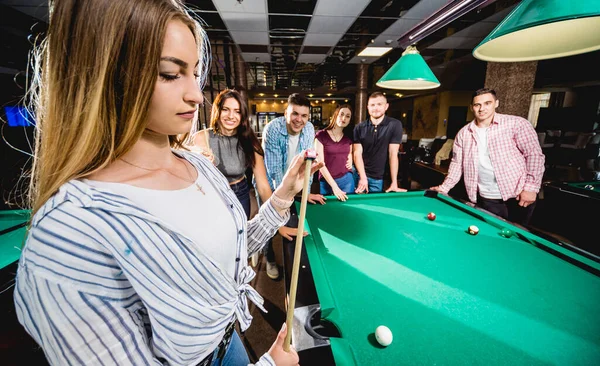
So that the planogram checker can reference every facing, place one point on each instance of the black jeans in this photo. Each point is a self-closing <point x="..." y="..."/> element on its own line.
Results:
<point x="509" y="209"/>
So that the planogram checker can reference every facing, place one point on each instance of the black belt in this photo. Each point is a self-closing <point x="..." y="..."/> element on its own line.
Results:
<point x="222" y="347"/>
<point x="496" y="200"/>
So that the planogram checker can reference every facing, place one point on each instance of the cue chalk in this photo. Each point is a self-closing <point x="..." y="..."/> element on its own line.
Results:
<point x="310" y="155"/>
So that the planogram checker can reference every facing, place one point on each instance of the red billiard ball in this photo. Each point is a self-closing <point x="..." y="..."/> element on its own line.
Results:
<point x="431" y="216"/>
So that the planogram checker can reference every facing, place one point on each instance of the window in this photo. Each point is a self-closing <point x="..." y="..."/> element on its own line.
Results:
<point x="537" y="101"/>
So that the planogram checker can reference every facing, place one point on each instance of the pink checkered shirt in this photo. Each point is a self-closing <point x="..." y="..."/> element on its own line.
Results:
<point x="515" y="153"/>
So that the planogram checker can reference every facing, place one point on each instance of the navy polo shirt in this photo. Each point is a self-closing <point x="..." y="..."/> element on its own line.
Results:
<point x="375" y="141"/>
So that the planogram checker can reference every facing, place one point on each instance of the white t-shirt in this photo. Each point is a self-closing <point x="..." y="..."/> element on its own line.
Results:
<point x="486" y="183"/>
<point x="293" y="141"/>
<point x="204" y="218"/>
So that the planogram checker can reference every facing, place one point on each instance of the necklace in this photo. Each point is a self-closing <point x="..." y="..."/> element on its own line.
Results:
<point x="198" y="186"/>
<point x="334" y="137"/>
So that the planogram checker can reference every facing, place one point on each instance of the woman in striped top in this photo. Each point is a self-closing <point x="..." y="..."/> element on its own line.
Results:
<point x="136" y="254"/>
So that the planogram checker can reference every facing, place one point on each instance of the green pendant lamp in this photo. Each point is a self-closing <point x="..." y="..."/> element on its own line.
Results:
<point x="543" y="29"/>
<point x="409" y="73"/>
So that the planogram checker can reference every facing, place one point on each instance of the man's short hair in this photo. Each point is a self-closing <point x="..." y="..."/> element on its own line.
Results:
<point x="377" y="94"/>
<point x="299" y="100"/>
<point x="484" y="91"/>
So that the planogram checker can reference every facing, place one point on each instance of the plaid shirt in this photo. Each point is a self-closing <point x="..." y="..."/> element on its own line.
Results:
<point x="275" y="144"/>
<point x="515" y="153"/>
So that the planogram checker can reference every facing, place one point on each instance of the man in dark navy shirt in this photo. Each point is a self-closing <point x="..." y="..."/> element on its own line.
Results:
<point x="376" y="143"/>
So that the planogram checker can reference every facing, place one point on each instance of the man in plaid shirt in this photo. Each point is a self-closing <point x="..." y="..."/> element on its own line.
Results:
<point x="284" y="138"/>
<point x="501" y="160"/>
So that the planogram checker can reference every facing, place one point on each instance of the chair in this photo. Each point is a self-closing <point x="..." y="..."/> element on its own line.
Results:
<point x="583" y="139"/>
<point x="426" y="142"/>
<point x="552" y="138"/>
<point x="541" y="138"/>
<point x="569" y="140"/>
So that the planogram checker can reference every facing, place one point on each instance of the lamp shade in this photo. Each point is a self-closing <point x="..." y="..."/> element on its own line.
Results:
<point x="409" y="73"/>
<point x="543" y="29"/>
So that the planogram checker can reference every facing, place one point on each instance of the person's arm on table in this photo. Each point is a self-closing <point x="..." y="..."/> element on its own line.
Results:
<point x="363" y="183"/>
<point x="393" y="150"/>
<point x="455" y="169"/>
<point x="341" y="195"/>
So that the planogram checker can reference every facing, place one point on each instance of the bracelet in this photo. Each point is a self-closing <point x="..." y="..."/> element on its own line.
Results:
<point x="280" y="203"/>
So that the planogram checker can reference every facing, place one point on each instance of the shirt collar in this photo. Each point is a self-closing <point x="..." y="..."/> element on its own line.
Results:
<point x="283" y="127"/>
<point x="496" y="120"/>
<point x="384" y="122"/>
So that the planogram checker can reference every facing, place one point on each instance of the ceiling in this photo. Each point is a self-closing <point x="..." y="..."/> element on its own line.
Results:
<point x="314" y="44"/>
<point x="307" y="45"/>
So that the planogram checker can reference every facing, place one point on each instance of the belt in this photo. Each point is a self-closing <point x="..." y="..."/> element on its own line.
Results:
<point x="222" y="347"/>
<point x="497" y="200"/>
<point x="237" y="181"/>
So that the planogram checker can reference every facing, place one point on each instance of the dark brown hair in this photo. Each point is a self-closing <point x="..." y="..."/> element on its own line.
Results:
<point x="483" y="91"/>
<point x="247" y="140"/>
<point x="299" y="100"/>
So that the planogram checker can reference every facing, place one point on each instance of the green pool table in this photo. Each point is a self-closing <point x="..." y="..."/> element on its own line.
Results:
<point x="575" y="208"/>
<point x="447" y="296"/>
<point x="15" y="343"/>
<point x="591" y="189"/>
<point x="13" y="226"/>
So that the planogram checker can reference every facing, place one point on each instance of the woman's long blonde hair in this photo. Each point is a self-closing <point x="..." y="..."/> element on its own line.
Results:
<point x="94" y="76"/>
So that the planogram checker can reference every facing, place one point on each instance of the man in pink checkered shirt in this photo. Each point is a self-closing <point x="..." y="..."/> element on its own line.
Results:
<point x="501" y="160"/>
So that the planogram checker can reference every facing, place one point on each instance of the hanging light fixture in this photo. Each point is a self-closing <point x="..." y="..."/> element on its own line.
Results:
<point x="543" y="29"/>
<point x="410" y="72"/>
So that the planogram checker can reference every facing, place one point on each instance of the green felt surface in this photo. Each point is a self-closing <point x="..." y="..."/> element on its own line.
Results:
<point x="582" y="185"/>
<point x="447" y="296"/>
<point x="591" y="189"/>
<point x="11" y="242"/>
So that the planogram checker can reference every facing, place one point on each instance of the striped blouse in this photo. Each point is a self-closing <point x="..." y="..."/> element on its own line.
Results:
<point x="103" y="282"/>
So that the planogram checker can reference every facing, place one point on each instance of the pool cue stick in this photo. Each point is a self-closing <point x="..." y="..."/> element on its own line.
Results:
<point x="297" y="254"/>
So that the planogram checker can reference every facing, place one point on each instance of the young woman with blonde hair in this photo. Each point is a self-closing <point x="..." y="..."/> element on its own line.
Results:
<point x="136" y="253"/>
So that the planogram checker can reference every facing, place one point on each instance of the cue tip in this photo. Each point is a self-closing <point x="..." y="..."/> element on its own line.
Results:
<point x="310" y="154"/>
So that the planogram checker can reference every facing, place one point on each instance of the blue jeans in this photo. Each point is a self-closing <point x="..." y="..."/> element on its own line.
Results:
<point x="242" y="191"/>
<point x="345" y="182"/>
<point x="375" y="185"/>
<point x="235" y="355"/>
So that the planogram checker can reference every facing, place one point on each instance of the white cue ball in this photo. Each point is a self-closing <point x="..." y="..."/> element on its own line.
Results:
<point x="473" y="230"/>
<point x="383" y="335"/>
